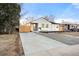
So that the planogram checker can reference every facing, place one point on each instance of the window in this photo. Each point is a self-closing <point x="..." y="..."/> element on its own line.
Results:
<point x="42" y="25"/>
<point x="46" y="25"/>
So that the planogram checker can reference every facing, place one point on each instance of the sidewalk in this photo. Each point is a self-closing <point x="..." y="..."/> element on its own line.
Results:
<point x="33" y="43"/>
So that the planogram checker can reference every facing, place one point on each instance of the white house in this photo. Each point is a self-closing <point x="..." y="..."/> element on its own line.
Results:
<point x="45" y="25"/>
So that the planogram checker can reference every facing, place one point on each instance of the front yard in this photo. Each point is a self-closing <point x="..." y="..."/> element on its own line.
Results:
<point x="10" y="45"/>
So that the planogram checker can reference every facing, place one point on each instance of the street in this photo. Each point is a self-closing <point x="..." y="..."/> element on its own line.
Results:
<point x="64" y="38"/>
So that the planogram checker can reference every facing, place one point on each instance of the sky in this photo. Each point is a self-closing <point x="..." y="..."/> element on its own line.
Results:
<point x="62" y="11"/>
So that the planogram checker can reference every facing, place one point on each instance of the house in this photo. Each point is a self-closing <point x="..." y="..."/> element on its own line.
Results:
<point x="71" y="27"/>
<point x="43" y="25"/>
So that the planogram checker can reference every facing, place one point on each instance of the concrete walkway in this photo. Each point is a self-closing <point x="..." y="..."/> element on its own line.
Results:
<point x="34" y="43"/>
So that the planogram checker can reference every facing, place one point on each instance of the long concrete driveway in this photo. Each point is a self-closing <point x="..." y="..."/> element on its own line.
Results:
<point x="34" y="43"/>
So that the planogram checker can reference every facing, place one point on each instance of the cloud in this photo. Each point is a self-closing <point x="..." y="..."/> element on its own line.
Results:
<point x="76" y="5"/>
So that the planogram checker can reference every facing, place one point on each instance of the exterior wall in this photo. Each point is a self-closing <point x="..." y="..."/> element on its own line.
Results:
<point x="51" y="27"/>
<point x="42" y="21"/>
<point x="61" y="27"/>
<point x="55" y="27"/>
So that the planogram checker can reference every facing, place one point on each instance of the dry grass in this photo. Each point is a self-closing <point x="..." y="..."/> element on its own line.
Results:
<point x="10" y="45"/>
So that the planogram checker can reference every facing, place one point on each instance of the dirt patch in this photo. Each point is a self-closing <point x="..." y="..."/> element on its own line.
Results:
<point x="10" y="45"/>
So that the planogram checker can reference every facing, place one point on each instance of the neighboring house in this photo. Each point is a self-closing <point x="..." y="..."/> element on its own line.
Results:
<point x="71" y="27"/>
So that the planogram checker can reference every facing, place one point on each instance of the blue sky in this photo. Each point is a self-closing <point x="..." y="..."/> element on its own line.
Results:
<point x="61" y="11"/>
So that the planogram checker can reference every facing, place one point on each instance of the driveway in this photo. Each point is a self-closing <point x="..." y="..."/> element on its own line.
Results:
<point x="34" y="43"/>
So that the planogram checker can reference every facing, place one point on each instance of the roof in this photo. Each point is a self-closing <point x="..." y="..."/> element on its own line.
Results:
<point x="52" y="22"/>
<point x="37" y="20"/>
<point x="49" y="20"/>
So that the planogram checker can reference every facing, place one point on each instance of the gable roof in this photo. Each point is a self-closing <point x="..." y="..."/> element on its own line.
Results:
<point x="48" y="20"/>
